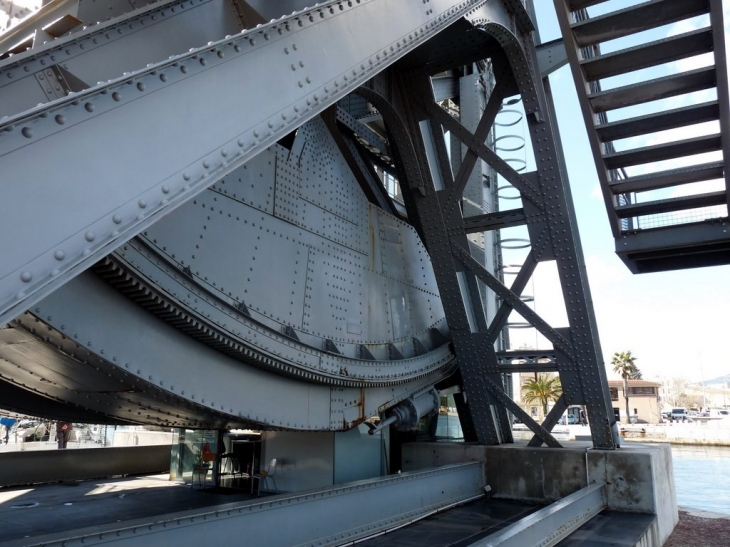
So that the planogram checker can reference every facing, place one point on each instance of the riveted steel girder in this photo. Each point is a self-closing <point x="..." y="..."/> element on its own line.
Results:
<point x="551" y="524"/>
<point x="137" y="124"/>
<point x="107" y="50"/>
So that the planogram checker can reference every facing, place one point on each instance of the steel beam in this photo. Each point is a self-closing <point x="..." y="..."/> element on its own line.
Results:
<point x="551" y="56"/>
<point x="661" y="121"/>
<point x="518" y="285"/>
<point x="347" y="513"/>
<point x="551" y="420"/>
<point x="495" y="221"/>
<point x="584" y="380"/>
<point x="498" y="393"/>
<point x="484" y="152"/>
<point x="134" y="124"/>
<point x="633" y="19"/>
<point x="671" y="177"/>
<point x="548" y="526"/>
<point x="107" y="50"/>
<point x="369" y="182"/>
<point x="482" y="131"/>
<point x="572" y="48"/>
<point x="511" y="299"/>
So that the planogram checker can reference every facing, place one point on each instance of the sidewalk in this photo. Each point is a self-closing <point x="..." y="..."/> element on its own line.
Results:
<point x="27" y="512"/>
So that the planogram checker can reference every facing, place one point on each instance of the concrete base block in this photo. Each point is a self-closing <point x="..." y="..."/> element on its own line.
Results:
<point x="639" y="477"/>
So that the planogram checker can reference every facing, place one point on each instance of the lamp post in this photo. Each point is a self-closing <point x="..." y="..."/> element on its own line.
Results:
<point x="702" y="383"/>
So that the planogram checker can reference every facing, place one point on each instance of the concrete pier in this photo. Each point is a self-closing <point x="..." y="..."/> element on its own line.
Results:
<point x="639" y="478"/>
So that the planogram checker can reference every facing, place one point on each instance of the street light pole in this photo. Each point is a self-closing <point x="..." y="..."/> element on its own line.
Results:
<point x="702" y="383"/>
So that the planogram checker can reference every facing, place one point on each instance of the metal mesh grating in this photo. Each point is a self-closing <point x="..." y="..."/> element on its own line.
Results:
<point x="661" y="220"/>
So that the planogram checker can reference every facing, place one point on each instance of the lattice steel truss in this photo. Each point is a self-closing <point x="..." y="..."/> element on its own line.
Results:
<point x="434" y="204"/>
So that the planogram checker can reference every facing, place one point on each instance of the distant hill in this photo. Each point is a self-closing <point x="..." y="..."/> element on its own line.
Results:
<point x="719" y="380"/>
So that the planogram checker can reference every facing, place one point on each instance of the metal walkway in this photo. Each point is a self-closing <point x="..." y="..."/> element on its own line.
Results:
<point x="660" y="217"/>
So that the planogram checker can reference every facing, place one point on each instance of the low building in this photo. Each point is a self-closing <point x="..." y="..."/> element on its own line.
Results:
<point x="643" y="400"/>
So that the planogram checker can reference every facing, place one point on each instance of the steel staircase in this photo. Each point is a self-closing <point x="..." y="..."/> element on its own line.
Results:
<point x="660" y="218"/>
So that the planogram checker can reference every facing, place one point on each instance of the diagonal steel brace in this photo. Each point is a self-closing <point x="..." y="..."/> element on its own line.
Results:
<point x="511" y="299"/>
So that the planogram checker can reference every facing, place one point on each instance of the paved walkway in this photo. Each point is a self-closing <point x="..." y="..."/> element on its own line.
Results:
<point x="32" y="511"/>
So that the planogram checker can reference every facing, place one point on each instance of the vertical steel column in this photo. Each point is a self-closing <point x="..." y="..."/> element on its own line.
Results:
<point x="477" y="357"/>
<point x="584" y="378"/>
<point x="425" y="212"/>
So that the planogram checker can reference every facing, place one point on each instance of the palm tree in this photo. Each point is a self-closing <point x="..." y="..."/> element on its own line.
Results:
<point x="624" y="364"/>
<point x="542" y="389"/>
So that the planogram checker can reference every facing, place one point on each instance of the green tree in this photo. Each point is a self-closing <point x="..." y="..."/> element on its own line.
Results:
<point x="541" y="390"/>
<point x="625" y="364"/>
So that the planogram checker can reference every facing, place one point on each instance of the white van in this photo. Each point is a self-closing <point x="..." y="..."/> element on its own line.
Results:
<point x="678" y="414"/>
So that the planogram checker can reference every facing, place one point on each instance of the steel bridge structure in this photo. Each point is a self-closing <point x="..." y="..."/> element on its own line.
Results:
<point x="246" y="214"/>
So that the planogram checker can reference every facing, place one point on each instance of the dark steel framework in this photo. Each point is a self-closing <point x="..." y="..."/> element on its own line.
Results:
<point x="547" y="212"/>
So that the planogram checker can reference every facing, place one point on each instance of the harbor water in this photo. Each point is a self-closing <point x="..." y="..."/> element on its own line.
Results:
<point x="702" y="477"/>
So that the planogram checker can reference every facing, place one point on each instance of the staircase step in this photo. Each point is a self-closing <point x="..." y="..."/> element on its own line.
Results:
<point x="635" y="19"/>
<point x="666" y="151"/>
<point x="671" y="205"/>
<point x="649" y="54"/>
<point x="575" y="5"/>
<point x="651" y="90"/>
<point x="669" y="178"/>
<point x="651" y="123"/>
<point x="675" y="247"/>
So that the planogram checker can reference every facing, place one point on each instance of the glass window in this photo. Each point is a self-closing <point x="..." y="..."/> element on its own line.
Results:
<point x="642" y="391"/>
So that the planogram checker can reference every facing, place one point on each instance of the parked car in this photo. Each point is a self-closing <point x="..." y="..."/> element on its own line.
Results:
<point x="568" y="419"/>
<point x="679" y="414"/>
<point x="719" y="413"/>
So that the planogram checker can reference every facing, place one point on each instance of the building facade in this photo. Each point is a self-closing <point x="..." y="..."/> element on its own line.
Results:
<point x="643" y="400"/>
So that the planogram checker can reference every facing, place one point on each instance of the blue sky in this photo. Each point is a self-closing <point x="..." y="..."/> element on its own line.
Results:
<point x="674" y="322"/>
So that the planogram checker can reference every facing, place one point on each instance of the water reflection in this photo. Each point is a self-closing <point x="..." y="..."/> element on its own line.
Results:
<point x="702" y="477"/>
